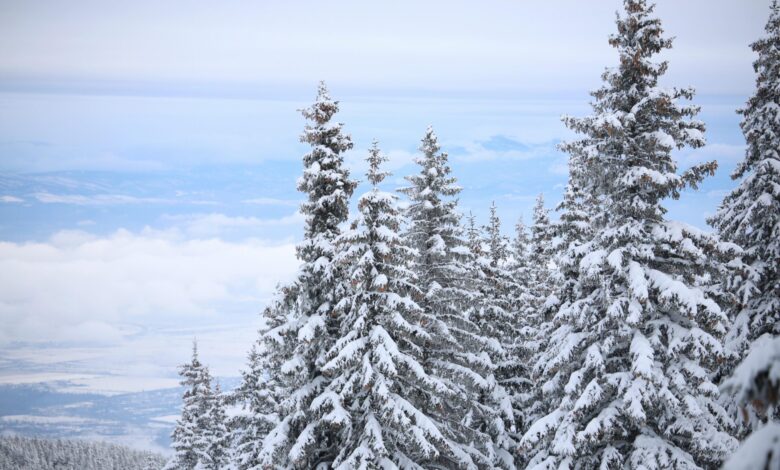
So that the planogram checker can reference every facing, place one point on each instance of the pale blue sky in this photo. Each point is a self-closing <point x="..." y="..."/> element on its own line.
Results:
<point x="149" y="150"/>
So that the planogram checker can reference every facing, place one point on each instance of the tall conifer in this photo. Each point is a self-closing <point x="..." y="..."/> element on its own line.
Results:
<point x="628" y="367"/>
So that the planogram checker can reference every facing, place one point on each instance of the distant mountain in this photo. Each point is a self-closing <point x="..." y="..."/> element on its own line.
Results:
<point x="25" y="453"/>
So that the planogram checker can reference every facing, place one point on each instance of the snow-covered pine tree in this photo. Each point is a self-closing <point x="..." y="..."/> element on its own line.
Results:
<point x="628" y="368"/>
<point x="218" y="436"/>
<point x="456" y="353"/>
<point x="542" y="294"/>
<point x="301" y="438"/>
<point x="497" y="272"/>
<point x="152" y="463"/>
<point x="575" y="227"/>
<point x="540" y="257"/>
<point x="258" y="396"/>
<point x="488" y="311"/>
<point x="541" y="232"/>
<point x="750" y="215"/>
<point x="262" y="387"/>
<point x="521" y="352"/>
<point x="755" y="387"/>
<point x="491" y="280"/>
<point x="246" y="428"/>
<point x="190" y="437"/>
<point x="520" y="270"/>
<point x="501" y="322"/>
<point x="375" y="367"/>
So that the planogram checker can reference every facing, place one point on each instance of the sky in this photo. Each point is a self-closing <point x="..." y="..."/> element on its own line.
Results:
<point x="149" y="150"/>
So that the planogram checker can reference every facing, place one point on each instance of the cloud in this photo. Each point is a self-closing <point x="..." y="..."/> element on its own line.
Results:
<point x="216" y="224"/>
<point x="10" y="199"/>
<point x="269" y="201"/>
<point x="485" y="45"/>
<point x="77" y="286"/>
<point x="96" y="200"/>
<point x="107" y="199"/>
<point x="501" y="147"/>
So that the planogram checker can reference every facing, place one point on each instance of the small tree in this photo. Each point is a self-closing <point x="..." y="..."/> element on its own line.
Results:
<point x="217" y="452"/>
<point x="540" y="257"/>
<point x="190" y="438"/>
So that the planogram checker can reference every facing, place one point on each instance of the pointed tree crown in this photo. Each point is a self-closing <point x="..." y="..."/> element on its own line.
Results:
<point x="325" y="180"/>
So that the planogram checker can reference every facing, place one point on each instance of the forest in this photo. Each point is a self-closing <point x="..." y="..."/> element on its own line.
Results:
<point x="602" y="335"/>
<point x="26" y="453"/>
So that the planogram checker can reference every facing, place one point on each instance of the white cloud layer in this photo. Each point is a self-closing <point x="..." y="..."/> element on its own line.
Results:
<point x="216" y="224"/>
<point x="443" y="45"/>
<point x="80" y="287"/>
<point x="108" y="199"/>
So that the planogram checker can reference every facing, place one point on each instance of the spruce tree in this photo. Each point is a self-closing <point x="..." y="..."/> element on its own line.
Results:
<point x="488" y="311"/>
<point x="755" y="387"/>
<point x="300" y="438"/>
<point x="521" y="273"/>
<point x="258" y="437"/>
<point x="522" y="303"/>
<point x="750" y="215"/>
<point x="217" y="434"/>
<point x="455" y="354"/>
<point x="191" y="436"/>
<point x="503" y="324"/>
<point x="496" y="268"/>
<point x="540" y="257"/>
<point x="575" y="227"/>
<point x="257" y="396"/>
<point x="376" y="370"/>
<point x="627" y="369"/>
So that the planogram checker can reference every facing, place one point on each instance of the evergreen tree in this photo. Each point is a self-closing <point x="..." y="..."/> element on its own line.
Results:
<point x="256" y="395"/>
<point x="755" y="387"/>
<point x="258" y="436"/>
<point x="190" y="438"/>
<point x="496" y="264"/>
<point x="503" y="324"/>
<point x="540" y="257"/>
<point x="302" y="438"/>
<point x="521" y="273"/>
<point x="516" y="374"/>
<point x="376" y="366"/>
<point x="152" y="463"/>
<point x="542" y="293"/>
<point x="218" y="437"/>
<point x="750" y="215"/>
<point x="488" y="310"/>
<point x="575" y="228"/>
<point x="628" y="367"/>
<point x="455" y="354"/>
